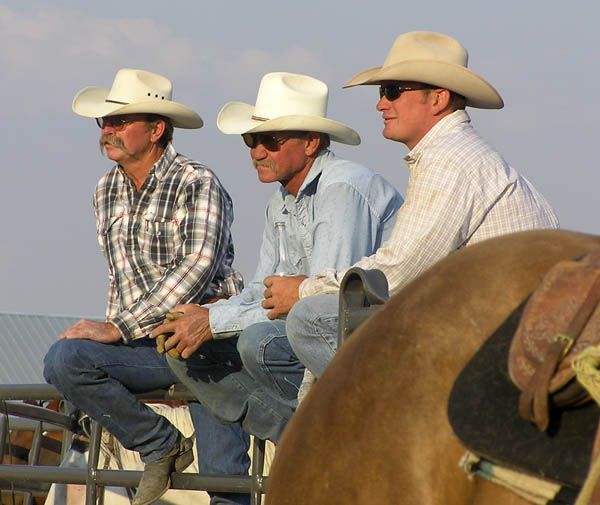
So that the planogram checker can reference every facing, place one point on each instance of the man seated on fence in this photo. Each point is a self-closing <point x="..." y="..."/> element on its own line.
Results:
<point x="460" y="190"/>
<point x="163" y="224"/>
<point x="335" y="211"/>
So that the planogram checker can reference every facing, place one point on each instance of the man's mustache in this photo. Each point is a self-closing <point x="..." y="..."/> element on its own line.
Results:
<point x="263" y="163"/>
<point x="109" y="138"/>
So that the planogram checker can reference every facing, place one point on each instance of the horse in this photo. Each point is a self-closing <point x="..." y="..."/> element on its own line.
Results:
<point x="374" y="427"/>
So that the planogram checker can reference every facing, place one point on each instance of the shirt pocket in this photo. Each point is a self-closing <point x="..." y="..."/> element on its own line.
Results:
<point x="158" y="239"/>
<point x="108" y="231"/>
<point x="298" y="258"/>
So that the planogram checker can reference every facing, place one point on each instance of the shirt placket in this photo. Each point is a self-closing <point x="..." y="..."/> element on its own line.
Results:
<point x="303" y="232"/>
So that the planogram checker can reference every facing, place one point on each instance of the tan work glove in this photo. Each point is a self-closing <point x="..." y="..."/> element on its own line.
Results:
<point x="162" y="338"/>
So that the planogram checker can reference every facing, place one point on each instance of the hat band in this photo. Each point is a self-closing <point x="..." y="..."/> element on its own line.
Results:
<point x="258" y="118"/>
<point x="115" y="101"/>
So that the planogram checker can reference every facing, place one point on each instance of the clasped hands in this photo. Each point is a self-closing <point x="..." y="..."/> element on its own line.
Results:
<point x="187" y="326"/>
<point x="183" y="331"/>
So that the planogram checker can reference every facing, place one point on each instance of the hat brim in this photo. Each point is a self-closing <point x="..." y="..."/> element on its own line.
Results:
<point x="236" y="118"/>
<point x="477" y="91"/>
<point x="91" y="102"/>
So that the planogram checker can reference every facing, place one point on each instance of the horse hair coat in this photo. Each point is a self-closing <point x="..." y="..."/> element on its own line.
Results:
<point x="373" y="430"/>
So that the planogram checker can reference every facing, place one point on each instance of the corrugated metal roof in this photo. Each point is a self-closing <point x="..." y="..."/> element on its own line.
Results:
<point x="25" y="339"/>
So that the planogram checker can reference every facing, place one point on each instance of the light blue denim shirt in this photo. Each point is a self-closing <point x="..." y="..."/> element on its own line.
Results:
<point x="343" y="211"/>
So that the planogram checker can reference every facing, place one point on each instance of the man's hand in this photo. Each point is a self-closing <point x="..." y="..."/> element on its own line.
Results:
<point x="162" y="338"/>
<point x="106" y="333"/>
<point x="281" y="294"/>
<point x="189" y="331"/>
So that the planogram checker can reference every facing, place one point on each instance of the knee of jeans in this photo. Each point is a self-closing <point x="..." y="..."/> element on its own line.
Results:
<point x="299" y="318"/>
<point x="177" y="366"/>
<point x="249" y="345"/>
<point x="59" y="359"/>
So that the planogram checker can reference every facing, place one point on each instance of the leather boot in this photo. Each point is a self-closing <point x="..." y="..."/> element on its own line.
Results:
<point x="156" y="478"/>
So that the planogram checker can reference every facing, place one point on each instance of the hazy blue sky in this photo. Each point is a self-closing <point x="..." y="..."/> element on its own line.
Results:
<point x="544" y="60"/>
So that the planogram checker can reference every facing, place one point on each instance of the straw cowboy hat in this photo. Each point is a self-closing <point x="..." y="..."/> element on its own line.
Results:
<point x="135" y="91"/>
<point x="432" y="58"/>
<point x="286" y="102"/>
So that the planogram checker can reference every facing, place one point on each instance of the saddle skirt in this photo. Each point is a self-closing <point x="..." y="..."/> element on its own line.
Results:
<point x="483" y="412"/>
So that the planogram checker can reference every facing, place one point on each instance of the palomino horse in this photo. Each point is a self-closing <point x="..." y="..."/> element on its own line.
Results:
<point x="374" y="429"/>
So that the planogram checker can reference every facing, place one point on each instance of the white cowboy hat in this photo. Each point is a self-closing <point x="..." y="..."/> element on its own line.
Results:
<point x="135" y="91"/>
<point x="286" y="102"/>
<point x="432" y="58"/>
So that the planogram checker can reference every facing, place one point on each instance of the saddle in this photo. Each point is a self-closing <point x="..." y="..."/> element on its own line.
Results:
<point x="560" y="320"/>
<point x="529" y="365"/>
<point x="560" y="325"/>
<point x="483" y="412"/>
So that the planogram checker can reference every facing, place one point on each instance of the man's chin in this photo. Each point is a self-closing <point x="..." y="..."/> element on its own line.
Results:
<point x="390" y="135"/>
<point x="111" y="151"/>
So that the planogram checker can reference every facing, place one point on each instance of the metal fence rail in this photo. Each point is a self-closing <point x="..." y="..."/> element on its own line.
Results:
<point x="35" y="479"/>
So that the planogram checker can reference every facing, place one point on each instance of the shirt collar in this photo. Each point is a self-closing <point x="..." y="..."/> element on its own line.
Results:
<point x="316" y="169"/>
<point x="164" y="162"/>
<point x="439" y="130"/>
<point x="159" y="169"/>
<point x="314" y="172"/>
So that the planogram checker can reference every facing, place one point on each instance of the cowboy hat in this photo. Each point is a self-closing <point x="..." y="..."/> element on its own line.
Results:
<point x="135" y="91"/>
<point x="286" y="102"/>
<point x="432" y="58"/>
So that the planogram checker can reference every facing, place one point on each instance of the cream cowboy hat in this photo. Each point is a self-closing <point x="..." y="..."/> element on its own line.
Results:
<point x="286" y="102"/>
<point x="135" y="91"/>
<point x="432" y="58"/>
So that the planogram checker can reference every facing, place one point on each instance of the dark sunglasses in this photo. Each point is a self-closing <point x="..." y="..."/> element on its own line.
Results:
<point x="268" y="141"/>
<point x="120" y="122"/>
<point x="393" y="91"/>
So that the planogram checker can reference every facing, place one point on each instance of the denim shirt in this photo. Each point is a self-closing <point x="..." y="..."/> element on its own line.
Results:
<point x="343" y="211"/>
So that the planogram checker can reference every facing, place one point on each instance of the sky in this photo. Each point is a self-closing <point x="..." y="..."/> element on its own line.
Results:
<point x="543" y="59"/>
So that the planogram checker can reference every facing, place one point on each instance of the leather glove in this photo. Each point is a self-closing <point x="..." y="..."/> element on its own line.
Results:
<point x="162" y="338"/>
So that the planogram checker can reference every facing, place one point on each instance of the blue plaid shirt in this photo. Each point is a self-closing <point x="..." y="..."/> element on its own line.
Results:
<point x="166" y="244"/>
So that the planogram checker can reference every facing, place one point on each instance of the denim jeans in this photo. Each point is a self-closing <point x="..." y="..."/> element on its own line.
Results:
<point x="312" y="328"/>
<point x="222" y="449"/>
<point x="262" y="394"/>
<point x="102" y="379"/>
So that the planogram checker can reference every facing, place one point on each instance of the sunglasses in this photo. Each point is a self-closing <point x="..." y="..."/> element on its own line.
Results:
<point x="393" y="91"/>
<point x="120" y="122"/>
<point x="268" y="141"/>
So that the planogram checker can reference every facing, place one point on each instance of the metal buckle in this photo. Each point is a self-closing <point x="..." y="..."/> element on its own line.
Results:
<point x="567" y="340"/>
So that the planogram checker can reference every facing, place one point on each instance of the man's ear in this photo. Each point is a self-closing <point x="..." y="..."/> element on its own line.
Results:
<point x="157" y="129"/>
<point x="311" y="143"/>
<point x="440" y="100"/>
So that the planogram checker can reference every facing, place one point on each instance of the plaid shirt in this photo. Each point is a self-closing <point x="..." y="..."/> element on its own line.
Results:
<point x="166" y="244"/>
<point x="460" y="191"/>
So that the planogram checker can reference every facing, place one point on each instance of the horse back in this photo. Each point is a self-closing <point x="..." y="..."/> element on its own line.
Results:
<point x="374" y="427"/>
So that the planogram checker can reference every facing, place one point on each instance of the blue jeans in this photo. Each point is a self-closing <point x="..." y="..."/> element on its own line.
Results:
<point x="262" y="394"/>
<point x="102" y="380"/>
<point x="312" y="328"/>
<point x="222" y="449"/>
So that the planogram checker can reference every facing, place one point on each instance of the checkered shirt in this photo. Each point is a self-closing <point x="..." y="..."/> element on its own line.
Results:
<point x="460" y="191"/>
<point x="165" y="244"/>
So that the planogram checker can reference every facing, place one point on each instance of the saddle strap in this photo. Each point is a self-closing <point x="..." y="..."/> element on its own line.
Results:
<point x="533" y="403"/>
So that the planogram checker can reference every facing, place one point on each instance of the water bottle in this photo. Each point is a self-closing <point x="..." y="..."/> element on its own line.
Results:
<point x="283" y="265"/>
